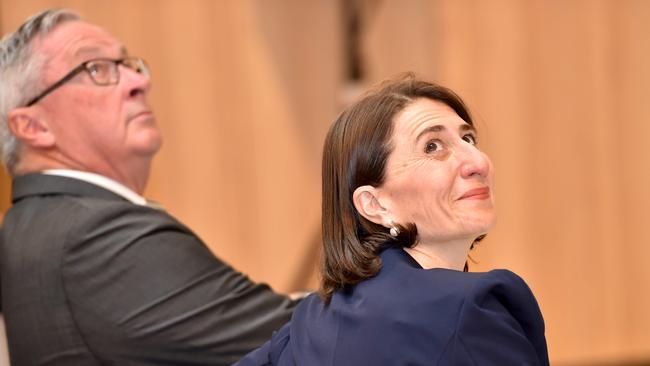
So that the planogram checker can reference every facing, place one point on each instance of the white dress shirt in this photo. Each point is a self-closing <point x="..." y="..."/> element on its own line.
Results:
<point x="102" y="181"/>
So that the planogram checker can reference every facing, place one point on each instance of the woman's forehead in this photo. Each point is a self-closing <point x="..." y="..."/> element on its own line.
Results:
<point x="427" y="114"/>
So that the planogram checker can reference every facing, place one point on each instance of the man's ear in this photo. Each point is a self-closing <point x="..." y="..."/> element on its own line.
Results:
<point x="368" y="205"/>
<point x="29" y="128"/>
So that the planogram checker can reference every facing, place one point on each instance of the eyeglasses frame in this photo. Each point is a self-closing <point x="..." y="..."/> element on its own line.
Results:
<point x="83" y="67"/>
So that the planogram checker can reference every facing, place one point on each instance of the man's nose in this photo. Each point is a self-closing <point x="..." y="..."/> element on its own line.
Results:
<point x="137" y="83"/>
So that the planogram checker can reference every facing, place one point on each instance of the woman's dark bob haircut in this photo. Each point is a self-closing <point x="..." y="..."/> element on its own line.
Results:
<point x="355" y="154"/>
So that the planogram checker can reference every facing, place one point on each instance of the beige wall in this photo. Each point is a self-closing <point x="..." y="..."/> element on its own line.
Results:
<point x="245" y="91"/>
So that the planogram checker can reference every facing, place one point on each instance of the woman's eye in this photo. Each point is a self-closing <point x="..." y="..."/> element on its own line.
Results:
<point x="469" y="138"/>
<point x="432" y="146"/>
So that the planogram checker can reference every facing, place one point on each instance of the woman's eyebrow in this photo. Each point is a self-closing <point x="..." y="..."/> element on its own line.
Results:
<point x="436" y="128"/>
<point x="467" y="127"/>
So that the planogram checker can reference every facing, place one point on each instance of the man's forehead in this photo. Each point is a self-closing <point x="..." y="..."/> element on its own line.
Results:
<point x="79" y="39"/>
<point x="88" y="51"/>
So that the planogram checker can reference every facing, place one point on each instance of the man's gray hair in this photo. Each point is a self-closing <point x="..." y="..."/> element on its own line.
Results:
<point x="20" y="72"/>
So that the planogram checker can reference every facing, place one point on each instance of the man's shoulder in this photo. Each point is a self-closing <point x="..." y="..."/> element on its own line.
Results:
<point x="38" y="184"/>
<point x="62" y="210"/>
<point x="58" y="196"/>
<point x="79" y="223"/>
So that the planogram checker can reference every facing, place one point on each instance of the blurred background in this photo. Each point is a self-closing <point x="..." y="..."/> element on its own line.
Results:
<point x="245" y="90"/>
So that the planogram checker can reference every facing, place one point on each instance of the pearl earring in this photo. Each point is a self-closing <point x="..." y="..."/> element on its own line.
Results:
<point x="394" y="231"/>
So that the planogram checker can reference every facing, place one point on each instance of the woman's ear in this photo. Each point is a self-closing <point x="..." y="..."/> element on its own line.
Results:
<point x="29" y="128"/>
<point x="367" y="204"/>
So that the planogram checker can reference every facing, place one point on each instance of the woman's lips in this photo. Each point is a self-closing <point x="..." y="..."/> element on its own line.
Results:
<point x="476" y="194"/>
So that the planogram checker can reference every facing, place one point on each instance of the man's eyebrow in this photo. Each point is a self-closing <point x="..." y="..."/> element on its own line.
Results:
<point x="83" y="50"/>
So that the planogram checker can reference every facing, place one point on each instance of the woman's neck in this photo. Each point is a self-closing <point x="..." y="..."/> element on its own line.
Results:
<point x="450" y="255"/>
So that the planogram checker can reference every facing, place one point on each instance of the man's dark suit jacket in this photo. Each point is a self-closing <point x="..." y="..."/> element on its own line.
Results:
<point x="89" y="278"/>
<point x="407" y="315"/>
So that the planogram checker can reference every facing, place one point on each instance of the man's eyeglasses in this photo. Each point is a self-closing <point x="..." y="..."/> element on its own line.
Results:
<point x="102" y="71"/>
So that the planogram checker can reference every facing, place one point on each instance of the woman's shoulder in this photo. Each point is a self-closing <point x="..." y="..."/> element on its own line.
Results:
<point x="477" y="289"/>
<point x="501" y="304"/>
<point x="498" y="282"/>
<point x="497" y="303"/>
<point x="453" y="294"/>
<point x="401" y="272"/>
<point x="501" y="286"/>
<point x="452" y="312"/>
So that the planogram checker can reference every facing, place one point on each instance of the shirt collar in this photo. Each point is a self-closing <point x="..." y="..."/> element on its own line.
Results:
<point x="101" y="181"/>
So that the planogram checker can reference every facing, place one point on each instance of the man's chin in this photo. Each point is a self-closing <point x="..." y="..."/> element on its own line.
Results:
<point x="148" y="143"/>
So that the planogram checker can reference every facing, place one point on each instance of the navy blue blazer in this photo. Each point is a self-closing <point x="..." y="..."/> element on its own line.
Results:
<point x="407" y="315"/>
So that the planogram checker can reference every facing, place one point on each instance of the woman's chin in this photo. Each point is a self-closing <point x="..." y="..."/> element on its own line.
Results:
<point x="480" y="224"/>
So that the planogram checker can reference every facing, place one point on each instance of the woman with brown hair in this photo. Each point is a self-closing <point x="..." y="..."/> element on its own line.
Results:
<point x="406" y="194"/>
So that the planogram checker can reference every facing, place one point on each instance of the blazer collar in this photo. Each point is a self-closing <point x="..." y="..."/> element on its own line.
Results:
<point x="394" y="255"/>
<point x="36" y="184"/>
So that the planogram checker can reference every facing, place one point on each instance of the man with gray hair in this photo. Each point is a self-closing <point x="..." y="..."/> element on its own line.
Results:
<point x="91" y="274"/>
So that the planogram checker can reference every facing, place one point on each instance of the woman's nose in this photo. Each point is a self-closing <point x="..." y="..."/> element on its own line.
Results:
<point x="473" y="162"/>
